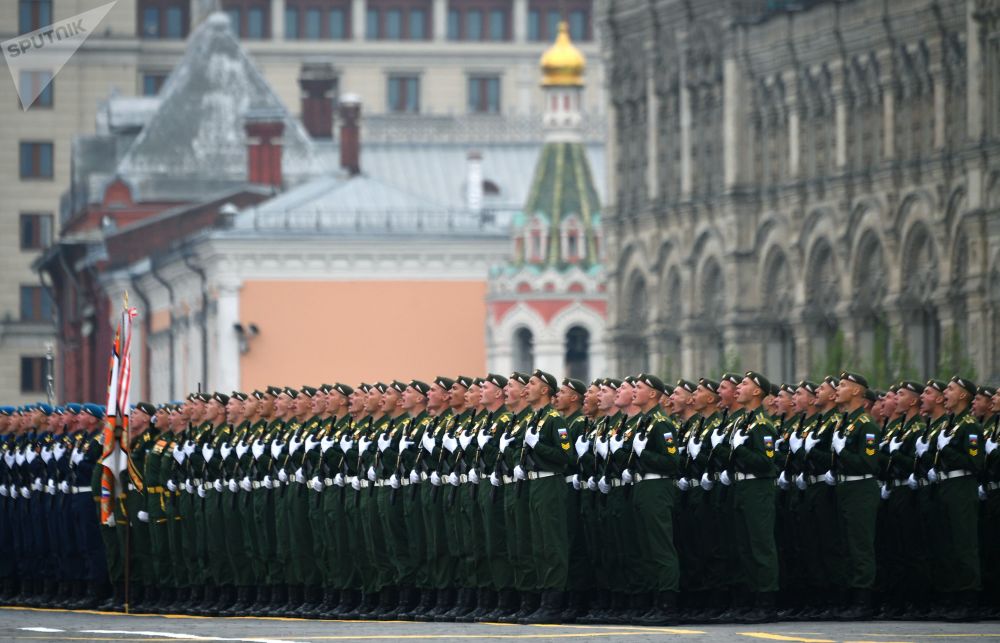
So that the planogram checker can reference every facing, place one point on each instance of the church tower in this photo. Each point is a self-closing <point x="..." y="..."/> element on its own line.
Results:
<point x="546" y="308"/>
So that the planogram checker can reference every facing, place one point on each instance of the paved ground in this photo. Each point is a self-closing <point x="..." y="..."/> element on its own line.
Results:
<point x="59" y="625"/>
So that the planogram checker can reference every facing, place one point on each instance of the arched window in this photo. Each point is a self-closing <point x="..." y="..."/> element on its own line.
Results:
<point x="572" y="240"/>
<point x="923" y="337"/>
<point x="537" y="239"/>
<point x="633" y="355"/>
<point x="822" y="296"/>
<point x="779" y="341"/>
<point x="713" y="308"/>
<point x="578" y="353"/>
<point x="524" y="350"/>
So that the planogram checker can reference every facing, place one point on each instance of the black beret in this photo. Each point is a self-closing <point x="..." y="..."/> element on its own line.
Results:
<point x="831" y="380"/>
<point x="762" y="382"/>
<point x="854" y="377"/>
<point x="575" y="385"/>
<point x="309" y="391"/>
<point x="711" y="385"/>
<point x="444" y="382"/>
<point x="968" y="385"/>
<point x="788" y="388"/>
<point x="498" y="381"/>
<point x="275" y="391"/>
<point x="398" y="386"/>
<point x="479" y="381"/>
<point x="464" y="380"/>
<point x="343" y="389"/>
<point x="240" y="395"/>
<point x="937" y="385"/>
<point x="520" y="377"/>
<point x="611" y="382"/>
<point x="775" y="389"/>
<point x="735" y="378"/>
<point x="326" y="388"/>
<point x="687" y="385"/>
<point x="420" y="387"/>
<point x="221" y="398"/>
<point x="870" y="395"/>
<point x="290" y="392"/>
<point x="146" y="408"/>
<point x="381" y="387"/>
<point x="204" y="396"/>
<point x="629" y="379"/>
<point x="893" y="388"/>
<point x="668" y="389"/>
<point x="260" y="395"/>
<point x="364" y="387"/>
<point x="548" y="379"/>
<point x="988" y="391"/>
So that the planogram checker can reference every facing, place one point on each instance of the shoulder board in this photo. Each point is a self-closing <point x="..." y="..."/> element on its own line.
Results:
<point x="864" y="417"/>
<point x="424" y="422"/>
<point x="553" y="413"/>
<point x="659" y="415"/>
<point x="967" y="419"/>
<point x="505" y="417"/>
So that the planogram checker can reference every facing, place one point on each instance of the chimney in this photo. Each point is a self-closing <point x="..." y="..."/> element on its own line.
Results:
<point x="350" y="134"/>
<point x="474" y="180"/>
<point x="318" y="82"/>
<point x="264" y="129"/>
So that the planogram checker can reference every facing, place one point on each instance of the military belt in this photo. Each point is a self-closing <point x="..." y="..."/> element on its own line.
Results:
<point x="155" y="489"/>
<point x="639" y="477"/>
<point x="379" y="483"/>
<point x="255" y="485"/>
<point x="957" y="473"/>
<point x="363" y="483"/>
<point x="538" y="475"/>
<point x="80" y="489"/>
<point x="405" y="482"/>
<point x="508" y="479"/>
<point x="569" y="479"/>
<point x="740" y="477"/>
<point x="463" y="478"/>
<point x="327" y="482"/>
<point x="811" y="480"/>
<point x="615" y="483"/>
<point x="196" y="482"/>
<point x="992" y="486"/>
<point x="867" y="476"/>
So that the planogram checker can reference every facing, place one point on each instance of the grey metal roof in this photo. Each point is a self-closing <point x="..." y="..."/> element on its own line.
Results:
<point x="198" y="129"/>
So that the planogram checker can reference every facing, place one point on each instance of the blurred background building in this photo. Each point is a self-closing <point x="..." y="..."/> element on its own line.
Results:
<point x="802" y="186"/>
<point x="441" y="77"/>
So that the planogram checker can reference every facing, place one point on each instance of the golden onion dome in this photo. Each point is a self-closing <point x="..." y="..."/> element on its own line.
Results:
<point x="563" y="63"/>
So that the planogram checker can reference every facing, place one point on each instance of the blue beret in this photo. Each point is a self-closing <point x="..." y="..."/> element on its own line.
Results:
<point x="60" y="410"/>
<point x="7" y="410"/>
<point x="94" y="409"/>
<point x="73" y="407"/>
<point x="44" y="408"/>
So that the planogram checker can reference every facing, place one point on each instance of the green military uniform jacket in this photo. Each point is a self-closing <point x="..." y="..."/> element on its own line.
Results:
<point x="663" y="442"/>
<point x="756" y="456"/>
<point x="966" y="450"/>
<point x="551" y="452"/>
<point x="859" y="456"/>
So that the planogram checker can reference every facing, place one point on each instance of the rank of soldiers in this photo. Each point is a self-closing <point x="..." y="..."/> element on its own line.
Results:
<point x="519" y="500"/>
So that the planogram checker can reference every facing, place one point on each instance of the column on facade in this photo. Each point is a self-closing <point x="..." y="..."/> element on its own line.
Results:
<point x="520" y="18"/>
<point x="936" y="72"/>
<point x="440" y="20"/>
<point x="687" y="175"/>
<point x="359" y="11"/>
<point x="733" y="129"/>
<point x="278" y="20"/>
<point x="974" y="73"/>
<point x="652" y="123"/>
<point x="838" y="92"/>
<point x="888" y="105"/>
<point x="227" y="351"/>
<point x="792" y="108"/>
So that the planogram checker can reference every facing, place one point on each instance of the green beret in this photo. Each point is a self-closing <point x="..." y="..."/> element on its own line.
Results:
<point x="496" y="380"/>
<point x="146" y="408"/>
<point x="870" y="395"/>
<point x="733" y="378"/>
<point x="290" y="392"/>
<point x="520" y="377"/>
<point x="788" y="388"/>
<point x="221" y="398"/>
<point x="204" y="396"/>
<point x="241" y="396"/>
<point x="988" y="391"/>
<point x="810" y="387"/>
<point x="419" y="387"/>
<point x="831" y="380"/>
<point x="464" y="380"/>
<point x="343" y="389"/>
<point x="479" y="381"/>
<point x="630" y="380"/>
<point x="309" y="391"/>
<point x="937" y="385"/>
<point x="260" y="395"/>
<point x="364" y="387"/>
<point x="687" y="385"/>
<point x="398" y="386"/>
<point x="548" y="379"/>
<point x="775" y="389"/>
<point x="611" y="382"/>
<point x="575" y="385"/>
<point x="854" y="377"/>
<point x="762" y="382"/>
<point x="711" y="385"/>
<point x="275" y="391"/>
<point x="968" y="385"/>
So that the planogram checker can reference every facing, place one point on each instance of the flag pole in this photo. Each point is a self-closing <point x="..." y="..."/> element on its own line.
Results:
<point x="123" y="427"/>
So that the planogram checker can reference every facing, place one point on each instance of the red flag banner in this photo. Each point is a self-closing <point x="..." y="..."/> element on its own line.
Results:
<point x="114" y="456"/>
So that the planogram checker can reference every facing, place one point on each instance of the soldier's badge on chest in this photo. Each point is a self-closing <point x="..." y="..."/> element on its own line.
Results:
<point x="668" y="437"/>
<point x="769" y="446"/>
<point x="870" y="443"/>
<point x="973" y="445"/>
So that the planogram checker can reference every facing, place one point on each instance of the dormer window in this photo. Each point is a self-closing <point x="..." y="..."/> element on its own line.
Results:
<point x="537" y="238"/>
<point x="572" y="240"/>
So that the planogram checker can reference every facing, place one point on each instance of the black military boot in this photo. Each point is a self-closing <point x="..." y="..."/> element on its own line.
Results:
<point x="599" y="604"/>
<point x="181" y="596"/>
<point x="278" y="596"/>
<point x="136" y="597"/>
<point x="664" y="611"/>
<point x="167" y="599"/>
<point x="530" y="601"/>
<point x="87" y="596"/>
<point x="310" y="602"/>
<point x="576" y="607"/>
<point x="367" y="605"/>
<point x="328" y="604"/>
<point x="208" y="598"/>
<point x="349" y="599"/>
<point x="117" y="601"/>
<point x="465" y="602"/>
<point x="150" y="599"/>
<point x="295" y="598"/>
<point x="486" y="600"/>
<point x="445" y="601"/>
<point x="428" y="598"/>
<point x="261" y="601"/>
<point x="549" y="610"/>
<point x="860" y="608"/>
<point x="195" y="595"/>
<point x="239" y="606"/>
<point x="964" y="609"/>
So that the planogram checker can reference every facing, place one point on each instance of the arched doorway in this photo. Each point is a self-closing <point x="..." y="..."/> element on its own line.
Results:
<point x="524" y="350"/>
<point x="577" y="362"/>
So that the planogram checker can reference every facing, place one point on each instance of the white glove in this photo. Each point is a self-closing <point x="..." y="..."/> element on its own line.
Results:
<point x="591" y="483"/>
<point x="483" y="438"/>
<point x="718" y="436"/>
<point x="282" y="475"/>
<point x="143" y="516"/>
<point x="601" y="446"/>
<point x="830" y="479"/>
<point x="50" y="486"/>
<point x="30" y="455"/>
<point x="616" y="443"/>
<point x="394" y="481"/>
<point x="576" y="482"/>
<point x="339" y="480"/>
<point x="582" y="446"/>
<point x="257" y="449"/>
<point x="346" y="443"/>
<point x="217" y="485"/>
<point x="427" y="442"/>
<point x="276" y="448"/>
<point x="991" y="445"/>
<point x="46" y="454"/>
<point x="783" y="482"/>
<point x="473" y="476"/>
<point x="310" y="443"/>
<point x="519" y="473"/>
<point x="246" y="484"/>
<point x="504" y="442"/>
<point x="449" y="442"/>
<point x="494" y="480"/>
<point x="706" y="482"/>
<point x="811" y="441"/>
<point x="694" y="447"/>
<point x="207" y="452"/>
<point x="683" y="484"/>
<point x="435" y="479"/>
<point x="189" y="447"/>
<point x="325" y="443"/>
<point x="894" y="444"/>
<point x="724" y="478"/>
<point x="884" y="491"/>
<point x="464" y="440"/>
<point x="838" y="442"/>
<point x="111" y="521"/>
<point x="371" y="474"/>
<point x="932" y="475"/>
<point x="739" y="438"/>
<point x="201" y="491"/>
<point x="78" y="454"/>
<point x="315" y="483"/>
<point x="800" y="482"/>
<point x="384" y="441"/>
<point x="453" y="479"/>
<point x="414" y="477"/>
<point x="179" y="454"/>
<point x="944" y="439"/>
<point x="794" y="443"/>
<point x="363" y="444"/>
<point x="639" y="444"/>
<point x="355" y="484"/>
<point x="982" y="492"/>
<point x="58" y="451"/>
<point x="241" y="449"/>
<point x="25" y="493"/>
<point x="922" y="445"/>
<point x="171" y="485"/>
<point x="225" y="450"/>
<point x="912" y="483"/>
<point x="36" y="485"/>
<point x="233" y="487"/>
<point x="404" y="442"/>
<point x="603" y="485"/>
<point x="267" y="482"/>
<point x="293" y="445"/>
<point x="778" y="443"/>
<point x="3" y="491"/>
<point x="531" y="438"/>
<point x="627" y="477"/>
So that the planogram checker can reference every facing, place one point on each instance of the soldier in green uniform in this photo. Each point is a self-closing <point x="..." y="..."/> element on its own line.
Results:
<point x="568" y="402"/>
<point x="653" y="468"/>
<point x="316" y="487"/>
<point x="855" y="465"/>
<point x="213" y="484"/>
<point x="595" y="596"/>
<point x="361" y="571"/>
<point x="155" y="475"/>
<point x="485" y="598"/>
<point x="409" y="477"/>
<point x="681" y="412"/>
<point x="236" y="512"/>
<point x="378" y="582"/>
<point x="272" y="592"/>
<point x="142" y="436"/>
<point x="751" y="473"/>
<point x="297" y="498"/>
<point x="990" y="496"/>
<point x="936" y="420"/>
